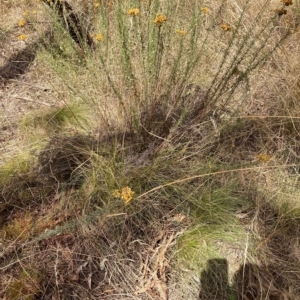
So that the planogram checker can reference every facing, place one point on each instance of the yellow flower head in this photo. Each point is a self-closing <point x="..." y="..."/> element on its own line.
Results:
<point x="117" y="193"/>
<point x="22" y="37"/>
<point x="264" y="158"/>
<point x="205" y="10"/>
<point x="133" y="12"/>
<point x="160" y="19"/>
<point x="180" y="32"/>
<point x="126" y="194"/>
<point x="226" y="27"/>
<point x="96" y="4"/>
<point x="287" y="2"/>
<point x="99" y="37"/>
<point x="21" y="23"/>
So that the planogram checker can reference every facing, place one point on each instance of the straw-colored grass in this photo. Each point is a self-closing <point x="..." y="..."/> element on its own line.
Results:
<point x="149" y="150"/>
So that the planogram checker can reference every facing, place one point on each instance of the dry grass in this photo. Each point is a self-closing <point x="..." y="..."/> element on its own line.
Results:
<point x="210" y="151"/>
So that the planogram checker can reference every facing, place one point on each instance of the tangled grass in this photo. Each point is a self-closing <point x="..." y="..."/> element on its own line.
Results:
<point x="167" y="166"/>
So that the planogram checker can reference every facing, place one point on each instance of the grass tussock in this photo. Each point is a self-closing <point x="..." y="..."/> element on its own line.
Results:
<point x="168" y="166"/>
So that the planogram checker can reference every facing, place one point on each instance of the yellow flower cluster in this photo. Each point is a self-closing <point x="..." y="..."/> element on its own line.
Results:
<point x="180" y="32"/>
<point x="126" y="194"/>
<point x="21" y="23"/>
<point x="264" y="158"/>
<point x="205" y="10"/>
<point x="22" y="37"/>
<point x="160" y="19"/>
<point x="97" y="3"/>
<point x="133" y="12"/>
<point x="226" y="27"/>
<point x="99" y="37"/>
<point x="28" y="13"/>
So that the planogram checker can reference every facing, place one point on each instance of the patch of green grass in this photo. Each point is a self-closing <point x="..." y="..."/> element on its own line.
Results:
<point x="215" y="219"/>
<point x="20" y="165"/>
<point x="55" y="120"/>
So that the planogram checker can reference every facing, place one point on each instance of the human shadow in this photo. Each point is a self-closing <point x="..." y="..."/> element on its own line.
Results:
<point x="18" y="63"/>
<point x="214" y="281"/>
<point x="250" y="282"/>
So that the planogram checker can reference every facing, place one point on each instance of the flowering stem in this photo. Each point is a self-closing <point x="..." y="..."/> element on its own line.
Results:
<point x="158" y="58"/>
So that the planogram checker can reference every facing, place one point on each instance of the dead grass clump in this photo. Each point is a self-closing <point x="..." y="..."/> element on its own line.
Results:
<point x="19" y="193"/>
<point x="114" y="256"/>
<point x="279" y="249"/>
<point x="259" y="140"/>
<point x="271" y="267"/>
<point x="257" y="282"/>
<point x="162" y="122"/>
<point x="243" y="139"/>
